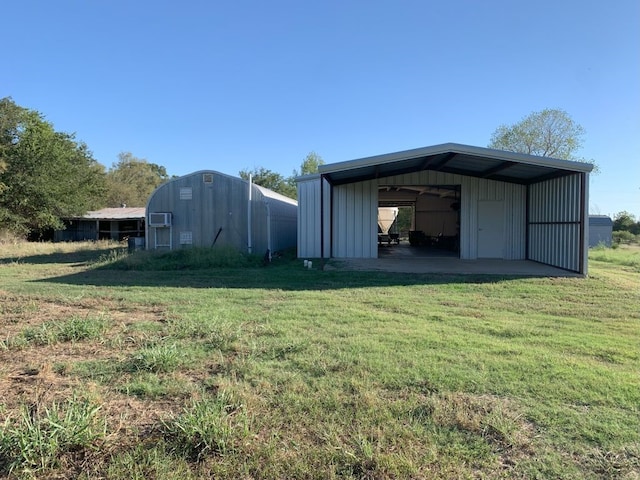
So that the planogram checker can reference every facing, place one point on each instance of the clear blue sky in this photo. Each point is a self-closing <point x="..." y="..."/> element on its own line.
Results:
<point x="231" y="85"/>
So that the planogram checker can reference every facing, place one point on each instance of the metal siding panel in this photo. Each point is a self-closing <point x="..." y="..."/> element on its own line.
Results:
<point x="339" y="221"/>
<point x="355" y="220"/>
<point x="469" y="218"/>
<point x="216" y="205"/>
<point x="283" y="226"/>
<point x="514" y="221"/>
<point x="309" y="219"/>
<point x="556" y="200"/>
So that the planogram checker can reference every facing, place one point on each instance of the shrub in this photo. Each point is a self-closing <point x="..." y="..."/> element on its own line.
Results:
<point x="623" y="236"/>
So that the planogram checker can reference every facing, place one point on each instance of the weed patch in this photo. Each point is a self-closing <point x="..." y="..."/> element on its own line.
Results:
<point x="39" y="437"/>
<point x="209" y="426"/>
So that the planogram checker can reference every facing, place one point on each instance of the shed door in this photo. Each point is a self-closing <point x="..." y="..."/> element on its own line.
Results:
<point x="490" y="229"/>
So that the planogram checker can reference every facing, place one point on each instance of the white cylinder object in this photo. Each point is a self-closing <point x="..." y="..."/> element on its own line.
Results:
<point x="310" y="264"/>
<point x="306" y="263"/>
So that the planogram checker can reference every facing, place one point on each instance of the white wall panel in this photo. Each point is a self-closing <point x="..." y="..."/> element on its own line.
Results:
<point x="355" y="220"/>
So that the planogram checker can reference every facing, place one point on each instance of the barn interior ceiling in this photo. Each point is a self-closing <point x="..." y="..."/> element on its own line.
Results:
<point x="406" y="195"/>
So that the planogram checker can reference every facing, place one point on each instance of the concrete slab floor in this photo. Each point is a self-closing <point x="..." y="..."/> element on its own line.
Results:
<point x="404" y="259"/>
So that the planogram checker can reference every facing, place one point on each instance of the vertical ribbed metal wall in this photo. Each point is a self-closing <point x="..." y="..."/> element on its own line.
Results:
<point x="309" y="217"/>
<point x="555" y="222"/>
<point x="355" y="220"/>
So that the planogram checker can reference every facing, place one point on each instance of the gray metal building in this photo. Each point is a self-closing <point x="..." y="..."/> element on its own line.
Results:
<point x="484" y="203"/>
<point x="208" y="208"/>
<point x="600" y="230"/>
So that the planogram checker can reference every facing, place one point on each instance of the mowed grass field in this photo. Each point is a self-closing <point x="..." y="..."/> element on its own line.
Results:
<point x="208" y="365"/>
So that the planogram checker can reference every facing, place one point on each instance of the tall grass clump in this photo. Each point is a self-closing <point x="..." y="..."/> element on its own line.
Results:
<point x="197" y="258"/>
<point x="81" y="328"/>
<point x="628" y="257"/>
<point x="208" y="426"/>
<point x="39" y="436"/>
<point x="74" y="329"/>
<point x="156" y="359"/>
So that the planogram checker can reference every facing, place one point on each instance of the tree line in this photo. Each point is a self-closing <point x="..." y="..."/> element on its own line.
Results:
<point x="47" y="175"/>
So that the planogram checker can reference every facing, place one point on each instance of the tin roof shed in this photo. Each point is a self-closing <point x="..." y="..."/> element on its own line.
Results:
<point x="209" y="208"/>
<point x="475" y="202"/>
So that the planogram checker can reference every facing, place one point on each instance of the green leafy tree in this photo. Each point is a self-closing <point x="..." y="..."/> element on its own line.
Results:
<point x="45" y="175"/>
<point x="625" y="221"/>
<point x="131" y="180"/>
<point x="269" y="179"/>
<point x="276" y="182"/>
<point x="548" y="133"/>
<point x="308" y="166"/>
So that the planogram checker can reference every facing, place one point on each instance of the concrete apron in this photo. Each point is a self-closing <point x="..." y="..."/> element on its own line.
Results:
<point x="454" y="266"/>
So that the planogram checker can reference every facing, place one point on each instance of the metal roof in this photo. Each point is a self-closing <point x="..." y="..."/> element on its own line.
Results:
<point x="454" y="158"/>
<point x="600" y="221"/>
<point x="122" y="213"/>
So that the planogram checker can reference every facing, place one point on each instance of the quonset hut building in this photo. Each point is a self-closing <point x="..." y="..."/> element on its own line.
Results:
<point x="208" y="208"/>
<point x="480" y="202"/>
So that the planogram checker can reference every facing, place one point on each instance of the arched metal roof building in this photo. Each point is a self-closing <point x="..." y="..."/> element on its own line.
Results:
<point x="208" y="208"/>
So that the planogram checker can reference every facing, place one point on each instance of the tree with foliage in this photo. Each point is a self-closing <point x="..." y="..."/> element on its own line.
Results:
<point x="131" y="181"/>
<point x="626" y="222"/>
<point x="269" y="179"/>
<point x="45" y="175"/>
<point x="548" y="133"/>
<point x="309" y="165"/>
<point x="276" y="182"/>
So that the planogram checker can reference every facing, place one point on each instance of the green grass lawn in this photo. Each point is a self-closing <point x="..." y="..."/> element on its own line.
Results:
<point x="189" y="366"/>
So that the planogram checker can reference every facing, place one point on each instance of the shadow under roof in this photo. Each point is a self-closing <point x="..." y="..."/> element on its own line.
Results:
<point x="454" y="158"/>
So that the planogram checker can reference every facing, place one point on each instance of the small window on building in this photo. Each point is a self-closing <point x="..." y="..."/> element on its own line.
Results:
<point x="186" y="193"/>
<point x="186" y="238"/>
<point x="207" y="177"/>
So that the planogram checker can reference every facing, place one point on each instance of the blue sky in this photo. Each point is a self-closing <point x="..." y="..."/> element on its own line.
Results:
<point x="232" y="85"/>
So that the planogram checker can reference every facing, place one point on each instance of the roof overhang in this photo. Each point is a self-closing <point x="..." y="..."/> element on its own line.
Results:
<point x="122" y="213"/>
<point x="454" y="158"/>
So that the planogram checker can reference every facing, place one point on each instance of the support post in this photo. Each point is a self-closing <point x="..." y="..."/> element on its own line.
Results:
<point x="321" y="222"/>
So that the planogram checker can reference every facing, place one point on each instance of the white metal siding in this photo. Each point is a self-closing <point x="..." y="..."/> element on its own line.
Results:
<point x="554" y="222"/>
<point x="309" y="218"/>
<point x="355" y="220"/>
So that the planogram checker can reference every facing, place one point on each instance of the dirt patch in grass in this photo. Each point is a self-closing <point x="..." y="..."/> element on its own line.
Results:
<point x="19" y="312"/>
<point x="39" y="375"/>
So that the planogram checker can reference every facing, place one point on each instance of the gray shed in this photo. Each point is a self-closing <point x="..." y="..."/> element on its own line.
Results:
<point x="105" y="224"/>
<point x="600" y="230"/>
<point x="208" y="208"/>
<point x="473" y="202"/>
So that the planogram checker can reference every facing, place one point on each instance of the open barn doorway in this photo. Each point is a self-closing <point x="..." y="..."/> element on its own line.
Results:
<point x="426" y="220"/>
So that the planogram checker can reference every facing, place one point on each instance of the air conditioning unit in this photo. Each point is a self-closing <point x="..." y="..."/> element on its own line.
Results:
<point x="160" y="219"/>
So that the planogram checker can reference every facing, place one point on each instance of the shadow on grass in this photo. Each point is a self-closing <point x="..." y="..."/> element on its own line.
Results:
<point x="78" y="257"/>
<point x="289" y="277"/>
